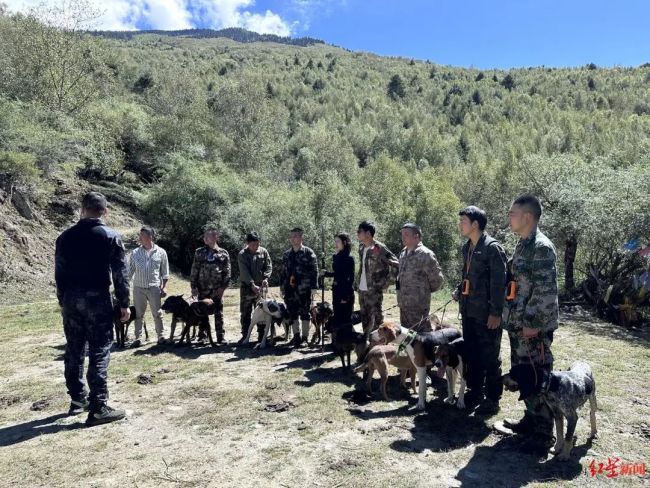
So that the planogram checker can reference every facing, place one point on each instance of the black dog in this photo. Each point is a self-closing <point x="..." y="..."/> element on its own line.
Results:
<point x="320" y="313"/>
<point x="122" y="328"/>
<point x="195" y="314"/>
<point x="345" y="340"/>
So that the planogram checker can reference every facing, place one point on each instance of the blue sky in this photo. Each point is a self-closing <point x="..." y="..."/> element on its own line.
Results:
<point x="480" y="33"/>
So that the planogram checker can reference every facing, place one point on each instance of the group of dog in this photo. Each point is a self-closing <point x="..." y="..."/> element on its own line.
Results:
<point x="410" y="352"/>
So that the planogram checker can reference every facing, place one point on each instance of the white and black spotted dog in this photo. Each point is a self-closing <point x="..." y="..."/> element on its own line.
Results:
<point x="564" y="392"/>
<point x="271" y="313"/>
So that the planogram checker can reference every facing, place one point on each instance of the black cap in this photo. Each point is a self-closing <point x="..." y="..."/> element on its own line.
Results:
<point x="252" y="237"/>
<point x="297" y="229"/>
<point x="414" y="227"/>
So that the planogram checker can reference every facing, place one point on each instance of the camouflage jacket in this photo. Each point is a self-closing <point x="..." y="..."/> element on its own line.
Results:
<point x="532" y="267"/>
<point x="485" y="268"/>
<point x="210" y="269"/>
<point x="419" y="276"/>
<point x="254" y="268"/>
<point x="381" y="266"/>
<point x="299" y="271"/>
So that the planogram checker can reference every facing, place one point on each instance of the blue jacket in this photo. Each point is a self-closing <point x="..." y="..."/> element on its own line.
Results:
<point x="87" y="255"/>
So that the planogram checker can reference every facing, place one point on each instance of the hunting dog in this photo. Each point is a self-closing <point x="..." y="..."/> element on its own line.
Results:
<point x="420" y="348"/>
<point x="122" y="328"/>
<point x="270" y="313"/>
<point x="320" y="313"/>
<point x="378" y="359"/>
<point x="192" y="314"/>
<point x="564" y="392"/>
<point x="345" y="340"/>
<point x="451" y="359"/>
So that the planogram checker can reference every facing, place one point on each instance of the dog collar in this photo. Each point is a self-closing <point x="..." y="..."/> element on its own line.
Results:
<point x="410" y="337"/>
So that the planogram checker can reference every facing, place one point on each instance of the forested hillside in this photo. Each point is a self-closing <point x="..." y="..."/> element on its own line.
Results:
<point x="267" y="136"/>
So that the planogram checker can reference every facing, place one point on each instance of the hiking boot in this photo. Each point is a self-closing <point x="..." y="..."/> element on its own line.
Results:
<point x="221" y="339"/>
<point x="161" y="340"/>
<point x="488" y="408"/>
<point x="78" y="406"/>
<point x="241" y="340"/>
<point x="523" y="426"/>
<point x="136" y="343"/>
<point x="104" y="415"/>
<point x="473" y="398"/>
<point x="295" y="341"/>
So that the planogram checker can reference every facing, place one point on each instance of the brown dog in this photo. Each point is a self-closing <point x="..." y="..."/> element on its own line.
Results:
<point x="195" y="314"/>
<point x="320" y="315"/>
<point x="420" y="348"/>
<point x="378" y="359"/>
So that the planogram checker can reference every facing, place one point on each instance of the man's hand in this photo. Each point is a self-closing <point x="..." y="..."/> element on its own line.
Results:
<point x="125" y="314"/>
<point x="455" y="296"/>
<point x="529" y="333"/>
<point x="256" y="289"/>
<point x="494" y="321"/>
<point x="163" y="291"/>
<point x="265" y="284"/>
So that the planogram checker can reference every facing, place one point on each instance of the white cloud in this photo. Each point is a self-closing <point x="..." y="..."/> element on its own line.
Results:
<point x="178" y="14"/>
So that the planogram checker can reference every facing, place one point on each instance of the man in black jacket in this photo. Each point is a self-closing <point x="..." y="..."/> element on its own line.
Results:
<point x="481" y="294"/>
<point x="87" y="255"/>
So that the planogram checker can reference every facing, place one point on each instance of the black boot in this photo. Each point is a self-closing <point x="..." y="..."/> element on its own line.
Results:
<point x="524" y="426"/>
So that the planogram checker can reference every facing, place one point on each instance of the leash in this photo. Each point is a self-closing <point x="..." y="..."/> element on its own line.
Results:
<point x="412" y="333"/>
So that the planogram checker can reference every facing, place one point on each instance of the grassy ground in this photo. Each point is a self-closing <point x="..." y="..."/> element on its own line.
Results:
<point x="237" y="417"/>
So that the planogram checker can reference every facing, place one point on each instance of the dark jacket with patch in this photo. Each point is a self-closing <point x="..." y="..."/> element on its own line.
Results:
<point x="299" y="271"/>
<point x="87" y="255"/>
<point x="485" y="268"/>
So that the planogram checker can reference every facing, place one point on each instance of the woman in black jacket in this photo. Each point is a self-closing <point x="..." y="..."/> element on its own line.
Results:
<point x="343" y="285"/>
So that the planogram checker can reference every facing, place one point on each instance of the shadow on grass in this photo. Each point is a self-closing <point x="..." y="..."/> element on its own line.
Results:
<point x="504" y="465"/>
<point x="15" y="434"/>
<point x="242" y="353"/>
<point x="605" y="329"/>
<point x="187" y="352"/>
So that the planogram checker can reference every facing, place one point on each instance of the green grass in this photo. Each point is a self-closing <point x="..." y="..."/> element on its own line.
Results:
<point x="205" y="417"/>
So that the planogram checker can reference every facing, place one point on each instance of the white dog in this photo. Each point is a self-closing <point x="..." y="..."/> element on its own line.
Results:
<point x="269" y="312"/>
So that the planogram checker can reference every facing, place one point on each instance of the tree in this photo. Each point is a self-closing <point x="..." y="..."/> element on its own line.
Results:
<point x="396" y="87"/>
<point x="508" y="82"/>
<point x="51" y="57"/>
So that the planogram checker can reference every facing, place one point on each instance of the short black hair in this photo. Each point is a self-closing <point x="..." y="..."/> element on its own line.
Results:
<point x="298" y="230"/>
<point x="148" y="230"/>
<point x="475" y="214"/>
<point x="530" y="204"/>
<point x="345" y="239"/>
<point x="368" y="226"/>
<point x="414" y="228"/>
<point x="94" y="203"/>
<point x="252" y="237"/>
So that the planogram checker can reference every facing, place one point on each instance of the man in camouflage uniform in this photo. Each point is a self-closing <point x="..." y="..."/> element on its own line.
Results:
<point x="210" y="276"/>
<point x="378" y="269"/>
<point x="531" y="316"/>
<point x="481" y="294"/>
<point x="87" y="255"/>
<point x="419" y="276"/>
<point x="255" y="269"/>
<point x="298" y="284"/>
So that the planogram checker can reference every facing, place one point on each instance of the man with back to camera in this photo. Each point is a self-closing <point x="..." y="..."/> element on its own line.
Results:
<point x="87" y="255"/>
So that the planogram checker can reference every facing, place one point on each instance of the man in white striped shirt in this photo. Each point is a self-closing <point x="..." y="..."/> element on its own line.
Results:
<point x="149" y="269"/>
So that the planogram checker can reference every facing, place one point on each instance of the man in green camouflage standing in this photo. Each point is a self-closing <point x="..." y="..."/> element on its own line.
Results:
<point x="419" y="276"/>
<point x="255" y="269"/>
<point x="210" y="275"/>
<point x="299" y="284"/>
<point x="530" y="317"/>
<point x="378" y="269"/>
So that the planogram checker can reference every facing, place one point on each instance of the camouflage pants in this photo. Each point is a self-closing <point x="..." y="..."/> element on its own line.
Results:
<point x="484" y="357"/>
<point x="218" y="310"/>
<point x="298" y="304"/>
<point x="247" y="301"/>
<point x="537" y="350"/>
<point x="87" y="319"/>
<point x="415" y="317"/>
<point x="372" y="317"/>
